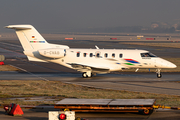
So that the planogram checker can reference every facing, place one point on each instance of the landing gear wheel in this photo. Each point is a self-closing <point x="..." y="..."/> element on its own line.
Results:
<point x="159" y="75"/>
<point x="146" y="111"/>
<point x="158" y="71"/>
<point x="84" y="75"/>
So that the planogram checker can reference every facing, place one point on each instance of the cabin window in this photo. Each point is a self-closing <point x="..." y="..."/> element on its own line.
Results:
<point x="113" y="55"/>
<point x="106" y="55"/>
<point x="90" y="55"/>
<point x="120" y="55"/>
<point x="78" y="54"/>
<point x="97" y="55"/>
<point x="84" y="54"/>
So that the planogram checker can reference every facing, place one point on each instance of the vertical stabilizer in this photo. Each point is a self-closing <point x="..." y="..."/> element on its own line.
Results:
<point x="29" y="37"/>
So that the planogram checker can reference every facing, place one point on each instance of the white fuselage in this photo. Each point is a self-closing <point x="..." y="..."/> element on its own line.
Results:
<point x="112" y="59"/>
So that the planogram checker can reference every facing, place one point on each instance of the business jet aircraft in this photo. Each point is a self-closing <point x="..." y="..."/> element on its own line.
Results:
<point x="87" y="61"/>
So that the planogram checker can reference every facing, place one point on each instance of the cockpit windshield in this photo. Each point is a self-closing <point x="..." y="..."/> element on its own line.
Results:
<point x="148" y="55"/>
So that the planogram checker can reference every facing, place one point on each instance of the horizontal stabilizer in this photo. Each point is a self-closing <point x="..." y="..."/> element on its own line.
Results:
<point x="17" y="27"/>
<point x="35" y="59"/>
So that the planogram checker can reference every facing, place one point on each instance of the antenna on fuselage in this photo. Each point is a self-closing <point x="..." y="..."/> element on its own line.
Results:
<point x="96" y="47"/>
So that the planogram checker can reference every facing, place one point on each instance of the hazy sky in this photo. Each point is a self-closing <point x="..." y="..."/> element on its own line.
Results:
<point x="53" y="15"/>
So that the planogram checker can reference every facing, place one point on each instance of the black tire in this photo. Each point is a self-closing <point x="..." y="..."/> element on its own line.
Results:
<point x="84" y="75"/>
<point x="146" y="111"/>
<point x="159" y="75"/>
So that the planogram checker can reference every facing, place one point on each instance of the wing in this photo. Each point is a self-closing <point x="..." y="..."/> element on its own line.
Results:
<point x="92" y="68"/>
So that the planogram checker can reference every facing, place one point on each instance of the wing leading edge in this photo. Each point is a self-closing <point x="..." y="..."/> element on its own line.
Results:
<point x="93" y="69"/>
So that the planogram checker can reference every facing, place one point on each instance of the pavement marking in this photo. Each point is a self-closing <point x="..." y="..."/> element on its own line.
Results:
<point x="30" y="73"/>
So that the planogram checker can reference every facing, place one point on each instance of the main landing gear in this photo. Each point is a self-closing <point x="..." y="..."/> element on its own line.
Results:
<point x="87" y="74"/>
<point x="158" y="71"/>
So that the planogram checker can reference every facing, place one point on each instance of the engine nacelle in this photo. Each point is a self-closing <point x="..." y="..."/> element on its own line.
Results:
<point x="53" y="53"/>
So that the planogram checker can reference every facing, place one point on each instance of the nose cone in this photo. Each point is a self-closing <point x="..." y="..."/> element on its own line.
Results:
<point x="167" y="64"/>
<point x="171" y="65"/>
<point x="161" y="63"/>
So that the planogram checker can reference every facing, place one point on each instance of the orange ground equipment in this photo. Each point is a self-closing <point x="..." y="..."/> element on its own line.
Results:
<point x="144" y="106"/>
<point x="1" y="63"/>
<point x="13" y="109"/>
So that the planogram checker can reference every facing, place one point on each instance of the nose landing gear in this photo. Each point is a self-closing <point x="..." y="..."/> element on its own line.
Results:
<point x="158" y="71"/>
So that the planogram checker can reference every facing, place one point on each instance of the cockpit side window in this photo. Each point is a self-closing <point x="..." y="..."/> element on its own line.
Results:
<point x="148" y="55"/>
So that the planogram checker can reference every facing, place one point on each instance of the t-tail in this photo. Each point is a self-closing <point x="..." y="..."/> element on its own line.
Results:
<point x="31" y="41"/>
